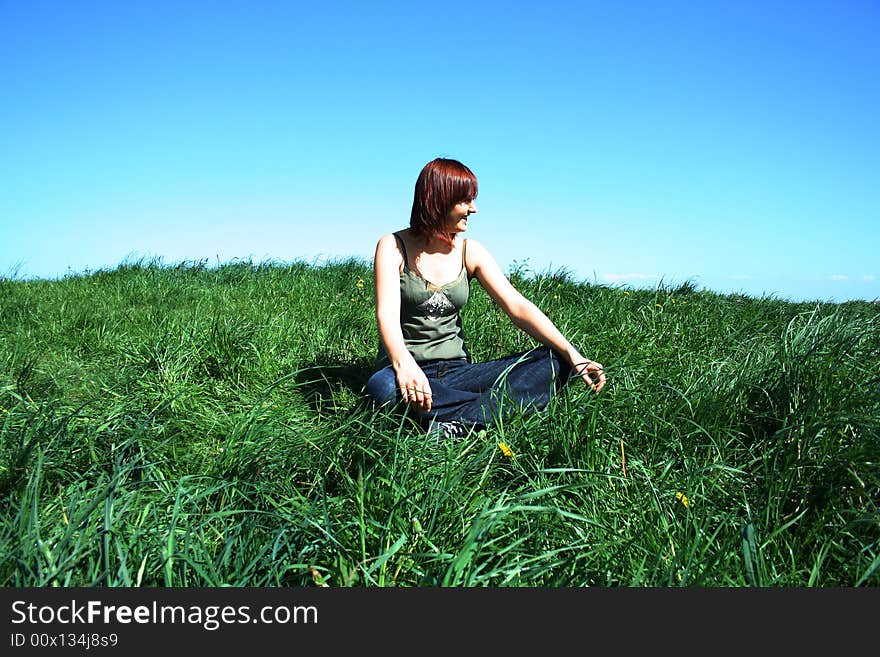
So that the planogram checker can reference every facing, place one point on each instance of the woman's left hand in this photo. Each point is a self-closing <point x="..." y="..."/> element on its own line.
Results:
<point x="592" y="373"/>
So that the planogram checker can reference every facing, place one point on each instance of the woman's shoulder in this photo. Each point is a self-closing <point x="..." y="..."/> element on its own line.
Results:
<point x="391" y="238"/>
<point x="387" y="240"/>
<point x="388" y="248"/>
<point x="474" y="255"/>
<point x="474" y="248"/>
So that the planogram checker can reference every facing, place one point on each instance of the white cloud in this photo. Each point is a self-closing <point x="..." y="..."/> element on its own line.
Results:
<point x="839" y="277"/>
<point x="869" y="278"/>
<point x="619" y="278"/>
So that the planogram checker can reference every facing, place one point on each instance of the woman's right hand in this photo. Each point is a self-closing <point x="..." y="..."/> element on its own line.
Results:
<point x="414" y="386"/>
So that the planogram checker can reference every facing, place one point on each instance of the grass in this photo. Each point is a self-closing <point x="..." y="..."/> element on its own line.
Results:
<point x="192" y="426"/>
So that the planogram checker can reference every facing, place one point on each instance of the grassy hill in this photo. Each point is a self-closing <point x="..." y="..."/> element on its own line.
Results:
<point x="191" y="426"/>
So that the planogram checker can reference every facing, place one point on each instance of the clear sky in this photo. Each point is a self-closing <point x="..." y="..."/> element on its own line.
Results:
<point x="733" y="144"/>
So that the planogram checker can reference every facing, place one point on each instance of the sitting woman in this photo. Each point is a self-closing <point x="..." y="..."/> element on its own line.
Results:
<point x="422" y="281"/>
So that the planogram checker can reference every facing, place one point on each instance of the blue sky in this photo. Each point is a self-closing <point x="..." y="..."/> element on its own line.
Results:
<point x="733" y="144"/>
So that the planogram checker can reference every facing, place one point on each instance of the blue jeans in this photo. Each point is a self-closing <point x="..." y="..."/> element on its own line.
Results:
<point x="481" y="393"/>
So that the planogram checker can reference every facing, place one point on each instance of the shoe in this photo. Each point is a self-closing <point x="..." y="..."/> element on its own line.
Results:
<point x="451" y="430"/>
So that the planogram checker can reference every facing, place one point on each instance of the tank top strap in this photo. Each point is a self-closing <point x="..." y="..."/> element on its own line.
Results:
<point x="403" y="250"/>
<point x="464" y="256"/>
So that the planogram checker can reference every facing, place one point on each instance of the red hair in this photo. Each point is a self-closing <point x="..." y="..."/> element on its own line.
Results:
<point x="441" y="184"/>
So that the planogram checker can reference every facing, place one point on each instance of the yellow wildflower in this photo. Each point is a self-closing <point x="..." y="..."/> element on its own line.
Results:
<point x="505" y="449"/>
<point x="681" y="496"/>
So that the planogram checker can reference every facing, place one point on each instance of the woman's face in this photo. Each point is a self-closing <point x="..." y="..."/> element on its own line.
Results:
<point x="457" y="218"/>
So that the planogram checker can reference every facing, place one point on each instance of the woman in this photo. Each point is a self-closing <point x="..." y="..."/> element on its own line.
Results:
<point x="422" y="276"/>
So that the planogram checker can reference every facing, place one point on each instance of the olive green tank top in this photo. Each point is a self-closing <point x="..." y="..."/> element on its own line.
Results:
<point x="430" y="315"/>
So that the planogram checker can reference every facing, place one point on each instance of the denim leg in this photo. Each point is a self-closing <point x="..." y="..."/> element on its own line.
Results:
<point x="448" y="403"/>
<point x="533" y="376"/>
<point x="529" y="372"/>
<point x="382" y="386"/>
<point x="479" y="393"/>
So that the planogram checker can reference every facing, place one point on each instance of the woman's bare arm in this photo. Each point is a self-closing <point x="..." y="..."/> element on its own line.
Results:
<point x="411" y="380"/>
<point x="526" y="315"/>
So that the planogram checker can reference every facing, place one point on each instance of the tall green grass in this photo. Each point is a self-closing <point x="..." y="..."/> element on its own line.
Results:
<point x="191" y="426"/>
